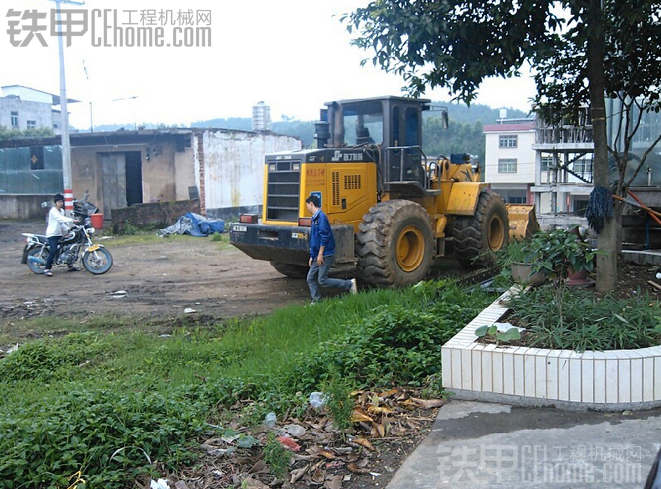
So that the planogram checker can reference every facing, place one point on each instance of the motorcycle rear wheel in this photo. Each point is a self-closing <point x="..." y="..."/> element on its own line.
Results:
<point x="97" y="262"/>
<point x="40" y="253"/>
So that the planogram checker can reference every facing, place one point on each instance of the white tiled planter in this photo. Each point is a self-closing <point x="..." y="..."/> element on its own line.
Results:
<point x="610" y="380"/>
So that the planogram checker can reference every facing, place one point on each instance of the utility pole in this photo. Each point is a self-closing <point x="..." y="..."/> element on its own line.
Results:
<point x="66" y="141"/>
<point x="91" y="115"/>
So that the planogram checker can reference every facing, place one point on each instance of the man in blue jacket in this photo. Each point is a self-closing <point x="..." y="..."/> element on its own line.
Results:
<point x="322" y="253"/>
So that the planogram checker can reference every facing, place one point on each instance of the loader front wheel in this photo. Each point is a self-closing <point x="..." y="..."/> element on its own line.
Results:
<point x="395" y="244"/>
<point x="478" y="235"/>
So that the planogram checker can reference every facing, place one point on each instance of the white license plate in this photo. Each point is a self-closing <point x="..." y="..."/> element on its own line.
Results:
<point x="240" y="229"/>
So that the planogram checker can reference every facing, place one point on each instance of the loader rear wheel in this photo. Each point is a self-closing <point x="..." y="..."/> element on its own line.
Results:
<point x="475" y="236"/>
<point x="293" y="271"/>
<point x="395" y="244"/>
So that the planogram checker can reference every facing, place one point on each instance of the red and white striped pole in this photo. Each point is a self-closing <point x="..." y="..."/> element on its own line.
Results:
<point x="68" y="200"/>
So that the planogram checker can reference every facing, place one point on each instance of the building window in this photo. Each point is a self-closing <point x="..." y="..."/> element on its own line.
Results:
<point x="14" y="119"/>
<point x="547" y="162"/>
<point x="507" y="165"/>
<point x="32" y="124"/>
<point x="508" y="141"/>
<point x="37" y="158"/>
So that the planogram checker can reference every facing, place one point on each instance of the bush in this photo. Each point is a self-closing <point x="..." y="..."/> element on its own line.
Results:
<point x="398" y="344"/>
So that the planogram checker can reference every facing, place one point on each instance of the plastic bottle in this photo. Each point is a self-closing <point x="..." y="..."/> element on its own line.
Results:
<point x="270" y="420"/>
<point x="317" y="399"/>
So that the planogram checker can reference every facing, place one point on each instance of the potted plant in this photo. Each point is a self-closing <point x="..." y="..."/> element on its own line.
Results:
<point x="558" y="253"/>
<point x="515" y="258"/>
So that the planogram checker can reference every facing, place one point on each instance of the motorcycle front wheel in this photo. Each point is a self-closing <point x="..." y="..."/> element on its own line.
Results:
<point x="38" y="263"/>
<point x="97" y="262"/>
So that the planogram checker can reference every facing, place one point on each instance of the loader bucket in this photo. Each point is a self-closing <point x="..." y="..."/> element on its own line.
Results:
<point x="523" y="222"/>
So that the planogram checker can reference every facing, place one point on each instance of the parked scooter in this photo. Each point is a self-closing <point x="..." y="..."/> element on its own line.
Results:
<point x="76" y="244"/>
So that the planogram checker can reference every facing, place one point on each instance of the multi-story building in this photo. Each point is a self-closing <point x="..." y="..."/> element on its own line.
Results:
<point x="27" y="108"/>
<point x="528" y="161"/>
<point x="509" y="164"/>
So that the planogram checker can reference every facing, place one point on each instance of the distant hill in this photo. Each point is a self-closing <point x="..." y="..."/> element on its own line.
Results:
<point x="464" y="134"/>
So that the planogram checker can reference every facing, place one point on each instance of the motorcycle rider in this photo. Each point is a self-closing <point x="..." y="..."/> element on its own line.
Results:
<point x="56" y="219"/>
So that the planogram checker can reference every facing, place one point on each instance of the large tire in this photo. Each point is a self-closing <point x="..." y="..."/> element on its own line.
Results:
<point x="395" y="244"/>
<point x="40" y="253"/>
<point x="97" y="262"/>
<point x="292" y="271"/>
<point x="478" y="235"/>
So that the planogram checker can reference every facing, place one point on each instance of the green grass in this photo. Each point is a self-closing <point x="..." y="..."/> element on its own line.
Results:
<point x="70" y="401"/>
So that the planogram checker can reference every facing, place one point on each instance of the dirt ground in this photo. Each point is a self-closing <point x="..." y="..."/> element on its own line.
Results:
<point x="166" y="278"/>
<point x="160" y="280"/>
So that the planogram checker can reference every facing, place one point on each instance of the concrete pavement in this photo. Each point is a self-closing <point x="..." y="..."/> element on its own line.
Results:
<point x="487" y="445"/>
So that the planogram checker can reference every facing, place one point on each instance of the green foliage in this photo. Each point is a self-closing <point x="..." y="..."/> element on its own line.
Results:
<point x="491" y="331"/>
<point x="45" y="442"/>
<point x="39" y="132"/>
<point x="396" y="344"/>
<point x="454" y="44"/>
<point x="338" y="401"/>
<point x="587" y="323"/>
<point x="457" y="138"/>
<point x="557" y="251"/>
<point x="111" y="403"/>
<point x="129" y="229"/>
<point x="47" y="360"/>
<point x="276" y="456"/>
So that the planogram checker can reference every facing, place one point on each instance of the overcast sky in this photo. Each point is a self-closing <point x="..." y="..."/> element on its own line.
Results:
<point x="292" y="54"/>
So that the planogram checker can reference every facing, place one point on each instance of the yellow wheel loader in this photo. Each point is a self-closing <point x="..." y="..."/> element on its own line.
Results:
<point x="393" y="210"/>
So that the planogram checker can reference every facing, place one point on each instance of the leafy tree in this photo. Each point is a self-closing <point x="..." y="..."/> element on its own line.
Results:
<point x="582" y="50"/>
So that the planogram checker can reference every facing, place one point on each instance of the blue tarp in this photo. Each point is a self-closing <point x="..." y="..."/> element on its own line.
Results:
<point x="195" y="225"/>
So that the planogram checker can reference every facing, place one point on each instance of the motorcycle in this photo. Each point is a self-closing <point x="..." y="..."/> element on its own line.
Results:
<point x="95" y="257"/>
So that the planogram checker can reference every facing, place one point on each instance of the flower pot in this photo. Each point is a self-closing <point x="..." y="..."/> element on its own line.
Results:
<point x="578" y="278"/>
<point x="522" y="274"/>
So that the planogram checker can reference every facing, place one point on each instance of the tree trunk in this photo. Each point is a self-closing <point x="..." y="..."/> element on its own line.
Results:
<point x="607" y="241"/>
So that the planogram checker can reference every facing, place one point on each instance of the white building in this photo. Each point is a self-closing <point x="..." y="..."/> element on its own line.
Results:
<point x="509" y="164"/>
<point x="526" y="164"/>
<point x="24" y="108"/>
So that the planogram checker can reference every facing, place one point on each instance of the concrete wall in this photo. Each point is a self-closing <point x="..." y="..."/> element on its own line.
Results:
<point x="159" y="181"/>
<point x="233" y="172"/>
<point x="184" y="171"/>
<point x="24" y="207"/>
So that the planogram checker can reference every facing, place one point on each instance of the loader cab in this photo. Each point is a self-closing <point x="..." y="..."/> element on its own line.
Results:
<point x="389" y="126"/>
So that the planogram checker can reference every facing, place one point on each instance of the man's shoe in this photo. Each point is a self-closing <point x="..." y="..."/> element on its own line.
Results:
<point x="48" y="273"/>
<point x="354" y="286"/>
